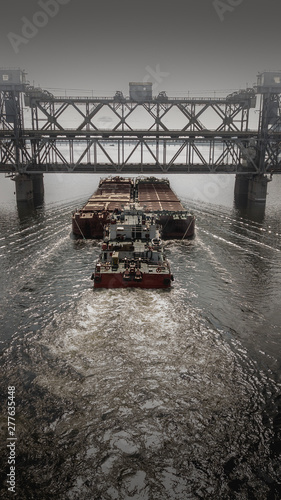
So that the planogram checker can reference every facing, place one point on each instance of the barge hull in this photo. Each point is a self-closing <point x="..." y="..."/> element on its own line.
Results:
<point x="155" y="195"/>
<point x="112" y="194"/>
<point x="176" y="229"/>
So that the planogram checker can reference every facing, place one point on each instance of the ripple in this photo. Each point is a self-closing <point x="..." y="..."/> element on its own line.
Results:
<point x="137" y="393"/>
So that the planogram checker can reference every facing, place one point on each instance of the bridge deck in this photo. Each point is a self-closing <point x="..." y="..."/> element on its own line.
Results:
<point x="135" y="169"/>
<point x="155" y="134"/>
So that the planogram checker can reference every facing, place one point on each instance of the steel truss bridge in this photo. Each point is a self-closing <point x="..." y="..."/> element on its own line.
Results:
<point x="42" y="133"/>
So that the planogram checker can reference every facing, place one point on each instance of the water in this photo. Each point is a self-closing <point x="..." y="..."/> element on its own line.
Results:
<point x="140" y="394"/>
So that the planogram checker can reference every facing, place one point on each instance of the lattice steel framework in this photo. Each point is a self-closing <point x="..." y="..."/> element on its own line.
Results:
<point x="269" y="138"/>
<point x="118" y="135"/>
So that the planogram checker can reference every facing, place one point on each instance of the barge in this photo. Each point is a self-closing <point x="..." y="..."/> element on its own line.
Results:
<point x="111" y="195"/>
<point x="132" y="252"/>
<point x="154" y="195"/>
<point x="158" y="198"/>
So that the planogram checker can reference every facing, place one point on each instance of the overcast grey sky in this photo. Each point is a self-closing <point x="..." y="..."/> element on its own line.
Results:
<point x="179" y="45"/>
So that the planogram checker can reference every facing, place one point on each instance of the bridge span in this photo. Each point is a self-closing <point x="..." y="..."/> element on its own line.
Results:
<point x="140" y="133"/>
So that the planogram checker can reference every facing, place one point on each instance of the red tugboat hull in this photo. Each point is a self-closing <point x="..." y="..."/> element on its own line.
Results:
<point x="132" y="253"/>
<point x="113" y="280"/>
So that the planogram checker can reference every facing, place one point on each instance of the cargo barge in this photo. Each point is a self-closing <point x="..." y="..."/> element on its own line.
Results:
<point x="111" y="195"/>
<point x="158" y="198"/>
<point x="154" y="195"/>
<point x="132" y="253"/>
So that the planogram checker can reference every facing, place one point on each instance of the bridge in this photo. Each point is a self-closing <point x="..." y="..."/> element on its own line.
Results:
<point x="140" y="133"/>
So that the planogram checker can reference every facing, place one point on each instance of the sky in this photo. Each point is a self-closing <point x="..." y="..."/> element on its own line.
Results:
<point x="180" y="46"/>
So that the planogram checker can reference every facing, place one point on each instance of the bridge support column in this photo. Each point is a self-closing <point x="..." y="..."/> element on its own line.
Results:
<point x="24" y="188"/>
<point x="38" y="188"/>
<point x="250" y="195"/>
<point x="250" y="188"/>
<point x="29" y="188"/>
<point x="258" y="188"/>
<point x="241" y="190"/>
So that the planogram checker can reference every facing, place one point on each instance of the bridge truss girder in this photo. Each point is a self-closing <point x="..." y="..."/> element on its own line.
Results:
<point x="125" y="153"/>
<point x="269" y="143"/>
<point x="53" y="114"/>
<point x="50" y="145"/>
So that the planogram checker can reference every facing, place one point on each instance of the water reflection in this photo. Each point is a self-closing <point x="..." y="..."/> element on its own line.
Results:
<point x="249" y="210"/>
<point x="26" y="210"/>
<point x="143" y="394"/>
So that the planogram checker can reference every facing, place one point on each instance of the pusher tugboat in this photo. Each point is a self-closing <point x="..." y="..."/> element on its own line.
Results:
<point x="132" y="252"/>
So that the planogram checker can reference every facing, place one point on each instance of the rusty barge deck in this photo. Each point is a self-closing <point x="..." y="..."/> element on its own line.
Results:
<point x="113" y="193"/>
<point x="158" y="198"/>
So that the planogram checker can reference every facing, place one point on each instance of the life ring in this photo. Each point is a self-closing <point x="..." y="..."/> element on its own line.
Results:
<point x="158" y="270"/>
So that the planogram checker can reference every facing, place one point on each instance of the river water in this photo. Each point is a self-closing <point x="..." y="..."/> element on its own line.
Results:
<point x="140" y="394"/>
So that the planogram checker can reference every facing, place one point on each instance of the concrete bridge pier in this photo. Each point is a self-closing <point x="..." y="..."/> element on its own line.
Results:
<point x="29" y="188"/>
<point x="258" y="189"/>
<point x="250" y="195"/>
<point x="250" y="189"/>
<point x="241" y="190"/>
<point x="38" y="188"/>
